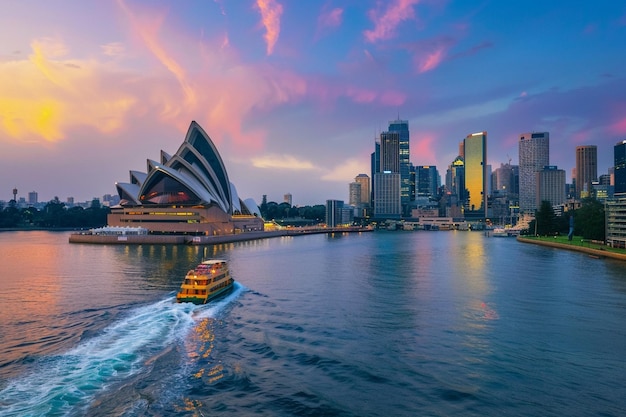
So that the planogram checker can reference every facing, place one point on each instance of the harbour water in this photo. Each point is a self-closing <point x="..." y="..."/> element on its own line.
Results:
<point x="372" y="324"/>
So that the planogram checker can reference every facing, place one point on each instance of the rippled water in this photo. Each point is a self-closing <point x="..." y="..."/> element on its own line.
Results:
<point x="372" y="324"/>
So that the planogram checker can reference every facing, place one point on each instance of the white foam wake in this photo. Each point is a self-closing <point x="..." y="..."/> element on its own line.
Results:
<point x="63" y="383"/>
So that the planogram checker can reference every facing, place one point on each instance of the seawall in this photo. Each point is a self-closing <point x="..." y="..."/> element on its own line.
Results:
<point x="202" y="240"/>
<point x="601" y="253"/>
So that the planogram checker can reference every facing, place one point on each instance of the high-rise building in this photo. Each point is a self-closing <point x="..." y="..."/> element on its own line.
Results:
<point x="586" y="169"/>
<point x="455" y="178"/>
<point x="615" y="211"/>
<point x="550" y="186"/>
<point x="426" y="180"/>
<point x="355" y="194"/>
<point x="364" y="180"/>
<point x="375" y="167"/>
<point x="334" y="212"/>
<point x="619" y="173"/>
<point x="534" y="155"/>
<point x="287" y="198"/>
<point x="387" y="198"/>
<point x="506" y="180"/>
<point x="407" y="190"/>
<point x="390" y="152"/>
<point x="475" y="151"/>
<point x="33" y="197"/>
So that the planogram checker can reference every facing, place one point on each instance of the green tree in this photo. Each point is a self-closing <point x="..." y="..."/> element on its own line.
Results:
<point x="317" y="212"/>
<point x="545" y="219"/>
<point x="10" y="215"/>
<point x="269" y="210"/>
<point x="53" y="213"/>
<point x="589" y="220"/>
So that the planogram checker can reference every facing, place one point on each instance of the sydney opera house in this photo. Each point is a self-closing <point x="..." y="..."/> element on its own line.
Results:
<point x="186" y="193"/>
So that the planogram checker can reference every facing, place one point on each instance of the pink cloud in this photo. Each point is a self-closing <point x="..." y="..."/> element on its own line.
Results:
<point x="147" y="27"/>
<point x="393" y="98"/>
<point x="432" y="60"/>
<point x="430" y="54"/>
<point x="271" y="11"/>
<point x="385" y="23"/>
<point x="236" y="90"/>
<point x="328" y="93"/>
<point x="330" y="18"/>
<point x="361" y="95"/>
<point x="423" y="148"/>
<point x="619" y="127"/>
<point x="582" y="137"/>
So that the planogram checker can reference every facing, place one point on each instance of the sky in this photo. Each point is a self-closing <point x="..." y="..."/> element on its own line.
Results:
<point x="294" y="93"/>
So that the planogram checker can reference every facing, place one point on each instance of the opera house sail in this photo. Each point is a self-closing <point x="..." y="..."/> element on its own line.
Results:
<point x="185" y="193"/>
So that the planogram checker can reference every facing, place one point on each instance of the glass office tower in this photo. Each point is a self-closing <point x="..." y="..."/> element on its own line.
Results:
<point x="475" y="151"/>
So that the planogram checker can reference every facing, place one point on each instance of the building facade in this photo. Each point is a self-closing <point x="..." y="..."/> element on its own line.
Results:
<point x="619" y="172"/>
<point x="505" y="180"/>
<point x="33" y="197"/>
<point x="334" y="213"/>
<point x="615" y="220"/>
<point x="550" y="186"/>
<point x="475" y="151"/>
<point x="426" y="180"/>
<point x="407" y="188"/>
<point x="387" y="181"/>
<point x="586" y="169"/>
<point x="534" y="151"/>
<point x="364" y="180"/>
<point x="354" y="194"/>
<point x="375" y="168"/>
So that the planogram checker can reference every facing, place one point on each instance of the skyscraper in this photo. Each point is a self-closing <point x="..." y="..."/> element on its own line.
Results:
<point x="426" y="180"/>
<point x="455" y="178"/>
<point x="33" y="197"/>
<point x="334" y="210"/>
<point x="375" y="167"/>
<point x="619" y="175"/>
<point x="534" y="155"/>
<point x="407" y="190"/>
<point x="506" y="180"/>
<point x="364" y="180"/>
<point x="586" y="169"/>
<point x="354" y="194"/>
<point x="387" y="199"/>
<point x="550" y="186"/>
<point x="475" y="151"/>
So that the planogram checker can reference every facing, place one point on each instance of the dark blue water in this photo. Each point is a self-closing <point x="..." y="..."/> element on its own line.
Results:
<point x="372" y="324"/>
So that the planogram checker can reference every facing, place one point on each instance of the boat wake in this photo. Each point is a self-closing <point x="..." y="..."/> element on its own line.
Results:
<point x="66" y="383"/>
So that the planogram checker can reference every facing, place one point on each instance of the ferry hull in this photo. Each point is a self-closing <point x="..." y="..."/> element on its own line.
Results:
<point x="202" y="300"/>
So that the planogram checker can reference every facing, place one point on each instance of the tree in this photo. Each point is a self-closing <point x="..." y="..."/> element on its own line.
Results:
<point x="53" y="212"/>
<point x="545" y="219"/>
<point x="10" y="216"/>
<point x="589" y="221"/>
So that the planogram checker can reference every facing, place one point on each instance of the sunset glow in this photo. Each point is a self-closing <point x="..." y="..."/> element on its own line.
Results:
<point x="299" y="87"/>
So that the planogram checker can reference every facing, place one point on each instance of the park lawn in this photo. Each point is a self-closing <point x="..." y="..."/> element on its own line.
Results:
<point x="577" y="241"/>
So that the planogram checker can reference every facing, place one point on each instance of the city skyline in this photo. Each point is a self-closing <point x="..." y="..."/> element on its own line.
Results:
<point x="294" y="94"/>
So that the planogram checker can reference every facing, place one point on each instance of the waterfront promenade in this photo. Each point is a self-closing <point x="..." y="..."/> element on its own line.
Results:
<point x="207" y="240"/>
<point x="577" y="244"/>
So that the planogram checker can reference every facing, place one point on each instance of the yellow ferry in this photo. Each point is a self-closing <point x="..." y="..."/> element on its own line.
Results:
<point x="206" y="281"/>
